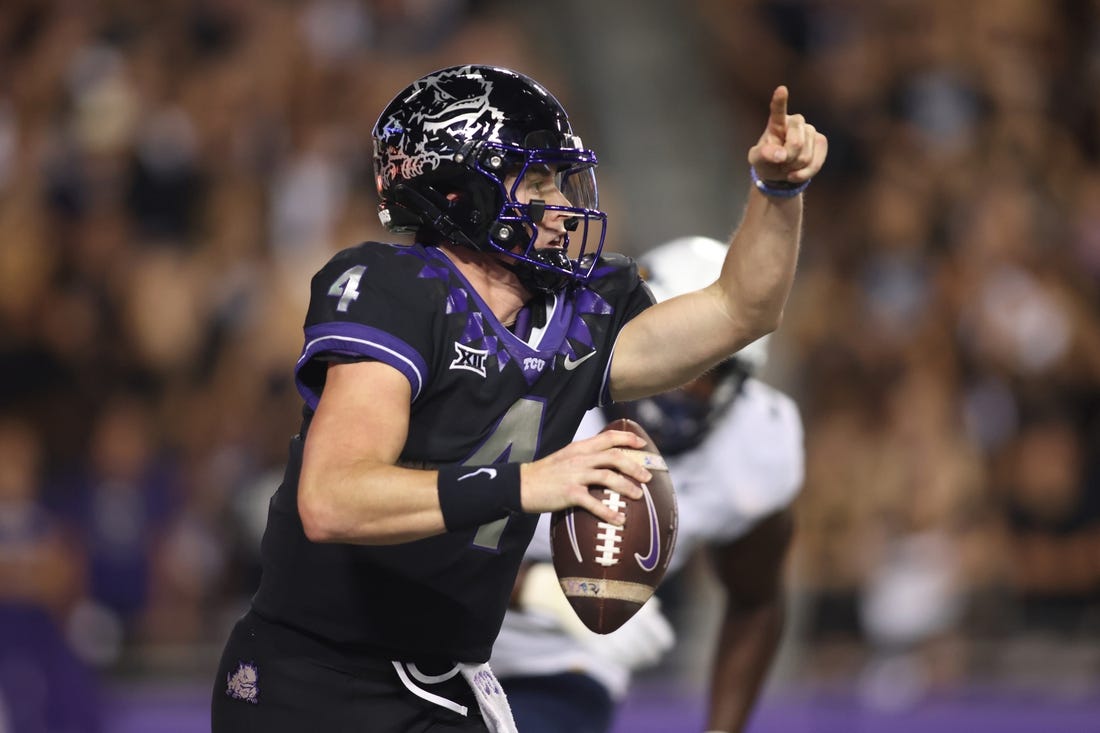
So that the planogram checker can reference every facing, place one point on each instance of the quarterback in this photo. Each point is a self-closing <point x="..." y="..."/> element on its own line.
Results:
<point x="443" y="379"/>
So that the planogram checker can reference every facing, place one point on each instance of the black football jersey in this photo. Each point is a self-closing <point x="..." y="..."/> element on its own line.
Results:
<point x="480" y="395"/>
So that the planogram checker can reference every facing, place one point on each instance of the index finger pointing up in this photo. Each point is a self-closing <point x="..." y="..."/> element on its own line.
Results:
<point x="777" y="119"/>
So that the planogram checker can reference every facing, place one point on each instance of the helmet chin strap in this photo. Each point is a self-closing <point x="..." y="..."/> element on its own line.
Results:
<point x="538" y="279"/>
<point x="534" y="278"/>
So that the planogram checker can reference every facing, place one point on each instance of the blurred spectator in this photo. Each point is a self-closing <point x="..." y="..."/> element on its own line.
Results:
<point x="43" y="686"/>
<point x="1052" y="506"/>
<point x="121" y="501"/>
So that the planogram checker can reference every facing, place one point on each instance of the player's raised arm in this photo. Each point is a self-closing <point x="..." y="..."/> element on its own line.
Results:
<point x="674" y="341"/>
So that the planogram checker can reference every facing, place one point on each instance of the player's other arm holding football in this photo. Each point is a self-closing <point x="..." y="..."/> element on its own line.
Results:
<point x="676" y="340"/>
<point x="402" y="504"/>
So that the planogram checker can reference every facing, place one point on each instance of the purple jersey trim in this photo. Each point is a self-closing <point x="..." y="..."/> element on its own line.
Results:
<point x="358" y="340"/>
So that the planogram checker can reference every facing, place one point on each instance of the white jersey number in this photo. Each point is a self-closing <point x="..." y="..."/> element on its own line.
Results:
<point x="517" y="433"/>
<point x="346" y="287"/>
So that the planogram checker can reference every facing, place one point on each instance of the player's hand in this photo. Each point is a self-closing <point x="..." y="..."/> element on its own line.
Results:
<point x="791" y="149"/>
<point x="561" y="479"/>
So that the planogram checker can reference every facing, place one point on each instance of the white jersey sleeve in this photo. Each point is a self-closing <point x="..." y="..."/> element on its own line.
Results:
<point x="591" y="424"/>
<point x="751" y="465"/>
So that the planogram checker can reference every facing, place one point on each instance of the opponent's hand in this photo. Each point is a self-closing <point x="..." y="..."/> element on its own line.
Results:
<point x="561" y="479"/>
<point x="640" y="642"/>
<point x="791" y="149"/>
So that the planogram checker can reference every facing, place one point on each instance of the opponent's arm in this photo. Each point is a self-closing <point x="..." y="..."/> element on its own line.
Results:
<point x="751" y="572"/>
<point x="352" y="490"/>
<point x="640" y="642"/>
<point x="676" y="340"/>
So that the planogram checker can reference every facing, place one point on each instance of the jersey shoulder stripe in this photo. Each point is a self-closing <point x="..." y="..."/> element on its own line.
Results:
<point x="356" y="339"/>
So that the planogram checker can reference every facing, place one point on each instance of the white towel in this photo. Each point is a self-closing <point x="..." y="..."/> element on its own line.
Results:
<point x="490" y="697"/>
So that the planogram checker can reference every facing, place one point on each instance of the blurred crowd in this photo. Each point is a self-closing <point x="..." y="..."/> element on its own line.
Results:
<point x="171" y="173"/>
<point x="944" y="335"/>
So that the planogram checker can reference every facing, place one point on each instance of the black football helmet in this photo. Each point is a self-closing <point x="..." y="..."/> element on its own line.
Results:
<point x="442" y="149"/>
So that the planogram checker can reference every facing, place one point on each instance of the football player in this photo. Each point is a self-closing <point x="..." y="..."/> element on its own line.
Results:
<point x="444" y="380"/>
<point x="734" y="447"/>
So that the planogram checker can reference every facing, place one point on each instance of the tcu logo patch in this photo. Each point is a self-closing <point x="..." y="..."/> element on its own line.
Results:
<point x="533" y="363"/>
<point x="472" y="360"/>
<point x="244" y="683"/>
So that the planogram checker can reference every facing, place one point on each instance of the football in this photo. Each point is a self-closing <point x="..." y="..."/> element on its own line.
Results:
<point x="609" y="572"/>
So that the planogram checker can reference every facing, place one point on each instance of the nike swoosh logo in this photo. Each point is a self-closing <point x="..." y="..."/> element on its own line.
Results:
<point x="649" y="562"/>
<point x="571" y="364"/>
<point x="492" y="473"/>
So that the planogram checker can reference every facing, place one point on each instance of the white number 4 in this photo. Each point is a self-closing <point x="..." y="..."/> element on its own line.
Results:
<point x="346" y="287"/>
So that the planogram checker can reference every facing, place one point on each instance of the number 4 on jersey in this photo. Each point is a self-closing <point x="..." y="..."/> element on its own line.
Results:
<point x="346" y="287"/>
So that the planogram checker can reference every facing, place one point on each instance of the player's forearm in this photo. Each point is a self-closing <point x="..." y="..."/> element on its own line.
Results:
<point x="368" y="504"/>
<point x="678" y="339"/>
<point x="747" y="644"/>
<point x="759" y="269"/>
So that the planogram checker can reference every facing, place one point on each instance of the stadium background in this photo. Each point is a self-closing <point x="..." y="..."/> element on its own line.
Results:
<point x="172" y="172"/>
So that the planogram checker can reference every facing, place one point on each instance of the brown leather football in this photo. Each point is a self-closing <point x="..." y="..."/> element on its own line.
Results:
<point x="608" y="572"/>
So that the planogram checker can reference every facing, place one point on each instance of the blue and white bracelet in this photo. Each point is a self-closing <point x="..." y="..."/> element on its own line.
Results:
<point x="777" y="189"/>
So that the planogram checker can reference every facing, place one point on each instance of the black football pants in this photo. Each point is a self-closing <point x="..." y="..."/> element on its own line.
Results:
<point x="274" y="680"/>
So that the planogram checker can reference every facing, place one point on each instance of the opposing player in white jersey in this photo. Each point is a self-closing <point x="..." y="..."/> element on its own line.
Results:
<point x="735" y="451"/>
